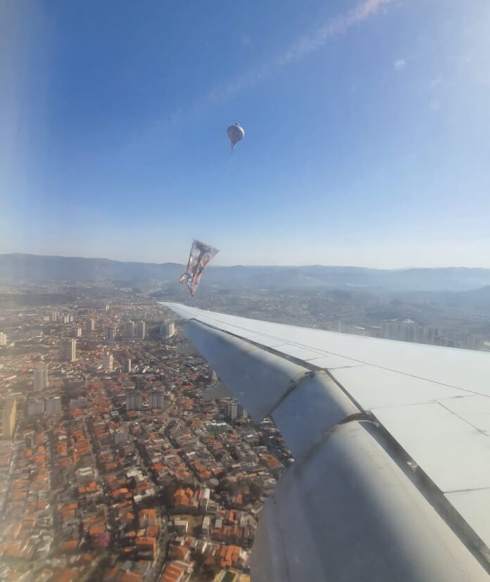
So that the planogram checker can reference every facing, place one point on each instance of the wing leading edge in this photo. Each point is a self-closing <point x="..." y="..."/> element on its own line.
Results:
<point x="349" y="502"/>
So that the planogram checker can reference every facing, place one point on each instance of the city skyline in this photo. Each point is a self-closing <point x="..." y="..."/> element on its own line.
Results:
<point x="366" y="132"/>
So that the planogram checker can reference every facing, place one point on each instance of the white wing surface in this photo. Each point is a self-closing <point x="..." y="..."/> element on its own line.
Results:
<point x="391" y="440"/>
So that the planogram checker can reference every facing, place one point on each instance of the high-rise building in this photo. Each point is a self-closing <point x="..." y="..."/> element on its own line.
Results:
<point x="68" y="350"/>
<point x="242" y="413"/>
<point x="232" y="409"/>
<point x="446" y="342"/>
<point x="157" y="399"/>
<point x="419" y="334"/>
<point x="108" y="362"/>
<point x="35" y="406"/>
<point x="40" y="378"/>
<point x="140" y="331"/>
<point x="3" y="339"/>
<point x="129" y="329"/>
<point x="54" y="316"/>
<point x="133" y="401"/>
<point x="186" y="348"/>
<point x="77" y="332"/>
<point x="90" y="325"/>
<point x="8" y="417"/>
<point x="110" y="333"/>
<point x="53" y="405"/>
<point x="127" y="366"/>
<point x="410" y="332"/>
<point x="430" y="334"/>
<point x="391" y="330"/>
<point x="235" y="410"/>
<point x="406" y="331"/>
<point x="475" y="342"/>
<point x="167" y="330"/>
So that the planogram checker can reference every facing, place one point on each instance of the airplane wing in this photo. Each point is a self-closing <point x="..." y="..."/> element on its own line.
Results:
<point x="391" y="441"/>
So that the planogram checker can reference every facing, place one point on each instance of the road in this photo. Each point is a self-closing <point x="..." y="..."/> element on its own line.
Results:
<point x="163" y="543"/>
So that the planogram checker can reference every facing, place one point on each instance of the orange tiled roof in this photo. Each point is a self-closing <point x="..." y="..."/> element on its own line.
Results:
<point x="66" y="575"/>
<point x="172" y="573"/>
<point x="180" y="552"/>
<point x="69" y="545"/>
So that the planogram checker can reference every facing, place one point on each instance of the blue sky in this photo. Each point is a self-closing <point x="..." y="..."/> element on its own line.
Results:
<point x="368" y="130"/>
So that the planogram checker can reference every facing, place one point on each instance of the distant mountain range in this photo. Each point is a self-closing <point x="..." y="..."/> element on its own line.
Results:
<point x="476" y="299"/>
<point x="18" y="267"/>
<point x="71" y="269"/>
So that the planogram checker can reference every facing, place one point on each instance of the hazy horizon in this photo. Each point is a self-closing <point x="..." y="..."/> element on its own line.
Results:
<point x="183" y="263"/>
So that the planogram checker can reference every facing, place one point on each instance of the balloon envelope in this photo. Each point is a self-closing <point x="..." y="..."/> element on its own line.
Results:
<point x="235" y="134"/>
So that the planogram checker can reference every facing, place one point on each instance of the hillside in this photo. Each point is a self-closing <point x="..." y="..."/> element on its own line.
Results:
<point x="19" y="267"/>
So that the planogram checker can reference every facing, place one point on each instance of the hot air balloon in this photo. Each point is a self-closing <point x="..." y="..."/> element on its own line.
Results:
<point x="235" y="134"/>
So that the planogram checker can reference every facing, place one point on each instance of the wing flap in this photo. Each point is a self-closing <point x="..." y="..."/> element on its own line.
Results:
<point x="473" y="506"/>
<point x="454" y="454"/>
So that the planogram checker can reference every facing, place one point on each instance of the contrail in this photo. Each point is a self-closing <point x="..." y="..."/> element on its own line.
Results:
<point x="298" y="50"/>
